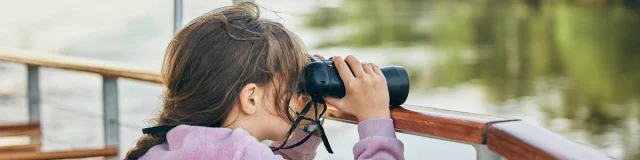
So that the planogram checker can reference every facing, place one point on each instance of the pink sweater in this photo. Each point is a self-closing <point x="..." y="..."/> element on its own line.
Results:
<point x="377" y="141"/>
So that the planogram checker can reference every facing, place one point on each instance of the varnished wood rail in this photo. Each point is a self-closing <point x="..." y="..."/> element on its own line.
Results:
<point x="109" y="152"/>
<point x="521" y="140"/>
<point x="31" y="147"/>
<point x="31" y="129"/>
<point x="104" y="68"/>
<point x="424" y="121"/>
<point x="20" y="129"/>
<point x="31" y="151"/>
<point x="509" y="138"/>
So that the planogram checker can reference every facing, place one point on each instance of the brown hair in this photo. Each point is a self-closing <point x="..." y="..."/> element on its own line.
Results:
<point x="209" y="61"/>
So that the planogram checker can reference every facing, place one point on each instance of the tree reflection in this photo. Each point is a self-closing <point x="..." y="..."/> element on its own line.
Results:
<point x="370" y="23"/>
<point x="588" y="53"/>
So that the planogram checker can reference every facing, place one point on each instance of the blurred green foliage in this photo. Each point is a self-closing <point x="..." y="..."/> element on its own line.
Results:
<point x="586" y="51"/>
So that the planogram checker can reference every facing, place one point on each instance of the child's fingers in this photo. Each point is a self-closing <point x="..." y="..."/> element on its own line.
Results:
<point x="333" y="101"/>
<point x="376" y="69"/>
<point x="368" y="68"/>
<point x="318" y="56"/>
<point x="343" y="69"/>
<point x="355" y="66"/>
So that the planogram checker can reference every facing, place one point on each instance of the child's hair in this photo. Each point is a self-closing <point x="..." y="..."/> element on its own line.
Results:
<point x="209" y="61"/>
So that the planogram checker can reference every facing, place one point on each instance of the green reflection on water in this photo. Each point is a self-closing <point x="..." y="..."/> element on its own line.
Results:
<point x="588" y="54"/>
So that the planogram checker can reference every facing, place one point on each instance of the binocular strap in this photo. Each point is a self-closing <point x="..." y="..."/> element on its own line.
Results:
<point x="301" y="116"/>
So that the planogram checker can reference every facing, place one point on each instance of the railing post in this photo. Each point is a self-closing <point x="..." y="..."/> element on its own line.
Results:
<point x="483" y="153"/>
<point x="33" y="92"/>
<point x="110" y="110"/>
<point x="177" y="15"/>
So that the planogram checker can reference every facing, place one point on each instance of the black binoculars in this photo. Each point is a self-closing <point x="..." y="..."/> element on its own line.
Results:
<point x="321" y="78"/>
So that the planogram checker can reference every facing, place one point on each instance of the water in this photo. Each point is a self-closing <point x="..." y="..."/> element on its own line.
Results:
<point x="569" y="67"/>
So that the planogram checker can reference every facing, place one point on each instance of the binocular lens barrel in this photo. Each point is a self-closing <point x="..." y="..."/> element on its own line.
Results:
<point x="398" y="84"/>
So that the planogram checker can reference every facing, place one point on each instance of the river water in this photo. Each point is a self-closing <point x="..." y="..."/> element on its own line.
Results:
<point x="569" y="67"/>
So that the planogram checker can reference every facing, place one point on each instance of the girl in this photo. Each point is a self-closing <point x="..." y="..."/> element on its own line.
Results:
<point x="231" y="81"/>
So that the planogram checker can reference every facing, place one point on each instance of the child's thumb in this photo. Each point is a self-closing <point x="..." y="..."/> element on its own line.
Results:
<point x="333" y="101"/>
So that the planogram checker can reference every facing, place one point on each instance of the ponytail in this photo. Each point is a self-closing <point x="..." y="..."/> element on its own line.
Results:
<point x="143" y="145"/>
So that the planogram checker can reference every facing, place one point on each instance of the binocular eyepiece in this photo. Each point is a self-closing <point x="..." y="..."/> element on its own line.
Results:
<point x="321" y="78"/>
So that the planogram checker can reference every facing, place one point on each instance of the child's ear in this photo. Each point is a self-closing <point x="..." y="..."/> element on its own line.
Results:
<point x="249" y="95"/>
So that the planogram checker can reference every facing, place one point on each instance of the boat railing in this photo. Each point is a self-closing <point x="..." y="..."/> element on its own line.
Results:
<point x="492" y="137"/>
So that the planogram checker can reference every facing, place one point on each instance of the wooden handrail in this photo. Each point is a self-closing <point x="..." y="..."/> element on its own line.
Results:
<point x="432" y="122"/>
<point x="31" y="147"/>
<point x="104" y="152"/>
<point x="470" y="128"/>
<point x="521" y="140"/>
<point x="20" y="129"/>
<point x="19" y="125"/>
<point x="31" y="150"/>
<point x="31" y="129"/>
<point x="105" y="68"/>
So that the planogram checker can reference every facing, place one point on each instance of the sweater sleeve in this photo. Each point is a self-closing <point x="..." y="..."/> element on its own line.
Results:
<point x="307" y="150"/>
<point x="378" y="140"/>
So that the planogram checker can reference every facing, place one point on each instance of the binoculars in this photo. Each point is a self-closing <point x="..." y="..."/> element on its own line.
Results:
<point x="321" y="78"/>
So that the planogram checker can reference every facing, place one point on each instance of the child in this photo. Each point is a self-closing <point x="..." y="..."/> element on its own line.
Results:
<point x="231" y="81"/>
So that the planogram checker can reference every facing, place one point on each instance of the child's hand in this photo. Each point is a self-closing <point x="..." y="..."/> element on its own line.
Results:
<point x="367" y="95"/>
<point x="317" y="56"/>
